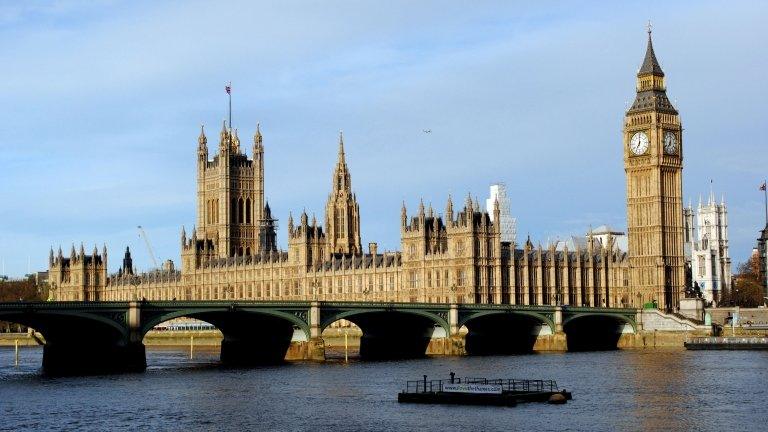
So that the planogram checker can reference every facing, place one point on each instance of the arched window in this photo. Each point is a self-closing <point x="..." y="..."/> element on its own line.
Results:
<point x="216" y="211"/>
<point x="233" y="212"/>
<point x="240" y="211"/>
<point x="248" y="210"/>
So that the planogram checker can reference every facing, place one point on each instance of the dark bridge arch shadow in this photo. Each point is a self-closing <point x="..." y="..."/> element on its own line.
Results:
<point x="250" y="338"/>
<point x="594" y="332"/>
<point x="82" y="343"/>
<point x="391" y="334"/>
<point x="503" y="332"/>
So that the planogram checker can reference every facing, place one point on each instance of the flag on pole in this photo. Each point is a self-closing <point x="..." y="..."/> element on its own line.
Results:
<point x="228" y="88"/>
<point x="762" y="186"/>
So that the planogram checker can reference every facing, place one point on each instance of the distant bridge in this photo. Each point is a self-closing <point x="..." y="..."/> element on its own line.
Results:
<point x="87" y="337"/>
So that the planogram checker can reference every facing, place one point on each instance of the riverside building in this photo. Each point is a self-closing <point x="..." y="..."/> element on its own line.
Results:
<point x="460" y="255"/>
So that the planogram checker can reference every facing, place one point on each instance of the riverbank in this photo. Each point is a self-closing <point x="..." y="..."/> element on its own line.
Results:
<point x="335" y="342"/>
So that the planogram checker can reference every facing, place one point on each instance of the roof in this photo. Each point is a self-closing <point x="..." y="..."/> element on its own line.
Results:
<point x="650" y="63"/>
<point x="655" y="100"/>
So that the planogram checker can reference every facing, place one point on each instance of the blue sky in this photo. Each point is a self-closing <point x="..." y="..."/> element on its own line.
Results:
<point x="102" y="103"/>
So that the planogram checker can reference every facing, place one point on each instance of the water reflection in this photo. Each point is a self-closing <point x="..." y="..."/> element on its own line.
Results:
<point x="617" y="390"/>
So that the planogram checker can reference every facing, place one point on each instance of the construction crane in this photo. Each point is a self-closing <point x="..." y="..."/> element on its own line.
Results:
<point x="143" y="235"/>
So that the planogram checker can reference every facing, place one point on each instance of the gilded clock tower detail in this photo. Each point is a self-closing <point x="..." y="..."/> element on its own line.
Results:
<point x="653" y="163"/>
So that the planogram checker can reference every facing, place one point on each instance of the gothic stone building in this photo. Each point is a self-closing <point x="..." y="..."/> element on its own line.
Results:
<point x="458" y="256"/>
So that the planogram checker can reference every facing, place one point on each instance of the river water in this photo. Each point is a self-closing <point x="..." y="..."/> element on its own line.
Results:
<point x="619" y="390"/>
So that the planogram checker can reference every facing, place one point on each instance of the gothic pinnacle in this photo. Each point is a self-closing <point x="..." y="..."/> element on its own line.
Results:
<point x="257" y="139"/>
<point x="202" y="140"/>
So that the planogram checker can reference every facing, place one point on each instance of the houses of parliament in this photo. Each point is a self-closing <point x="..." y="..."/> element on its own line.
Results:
<point x="454" y="256"/>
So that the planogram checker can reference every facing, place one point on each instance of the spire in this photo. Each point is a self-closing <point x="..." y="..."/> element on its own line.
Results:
<point x="650" y="63"/>
<point x="711" y="201"/>
<point x="449" y="209"/>
<point x="257" y="136"/>
<point x="341" y="146"/>
<point x="50" y="257"/>
<point x="235" y="143"/>
<point x="183" y="236"/>
<point x="202" y="140"/>
<point x="651" y="90"/>
<point x="224" y="137"/>
<point x="430" y="212"/>
<point x="290" y="222"/>
<point x="421" y="207"/>
<point x="403" y="215"/>
<point x="223" y="133"/>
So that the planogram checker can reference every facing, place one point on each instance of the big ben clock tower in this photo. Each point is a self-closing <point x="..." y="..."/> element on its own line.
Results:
<point x="653" y="163"/>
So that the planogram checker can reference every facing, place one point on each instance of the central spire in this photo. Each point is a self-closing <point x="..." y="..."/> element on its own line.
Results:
<point x="650" y="63"/>
<point x="651" y="90"/>
<point x="342" y="214"/>
<point x="341" y="160"/>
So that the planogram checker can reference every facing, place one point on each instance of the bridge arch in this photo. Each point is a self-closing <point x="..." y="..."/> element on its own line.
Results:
<point x="390" y="332"/>
<point x="251" y="336"/>
<point x="197" y="313"/>
<point x="349" y="315"/>
<point x="596" y="331"/>
<point x="79" y="342"/>
<point x="504" y="331"/>
<point x="49" y="323"/>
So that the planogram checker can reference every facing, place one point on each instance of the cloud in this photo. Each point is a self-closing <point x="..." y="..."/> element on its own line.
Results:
<point x="103" y="104"/>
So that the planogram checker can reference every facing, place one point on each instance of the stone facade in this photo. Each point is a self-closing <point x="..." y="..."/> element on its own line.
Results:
<point x="457" y="256"/>
<point x="706" y="242"/>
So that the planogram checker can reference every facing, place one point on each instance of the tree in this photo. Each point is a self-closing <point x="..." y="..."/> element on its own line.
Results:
<point x="11" y="291"/>
<point x="747" y="289"/>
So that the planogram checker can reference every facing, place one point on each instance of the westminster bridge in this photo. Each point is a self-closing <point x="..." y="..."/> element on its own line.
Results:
<point x="86" y="337"/>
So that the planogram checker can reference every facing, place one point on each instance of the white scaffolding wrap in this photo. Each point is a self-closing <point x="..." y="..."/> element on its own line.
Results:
<point x="508" y="223"/>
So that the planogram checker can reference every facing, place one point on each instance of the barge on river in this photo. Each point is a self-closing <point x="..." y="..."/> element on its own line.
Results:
<point x="482" y="391"/>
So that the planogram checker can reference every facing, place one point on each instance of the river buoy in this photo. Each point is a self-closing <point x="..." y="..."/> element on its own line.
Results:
<point x="557" y="398"/>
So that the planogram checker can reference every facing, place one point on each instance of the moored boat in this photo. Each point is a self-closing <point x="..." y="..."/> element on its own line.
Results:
<point x="482" y="391"/>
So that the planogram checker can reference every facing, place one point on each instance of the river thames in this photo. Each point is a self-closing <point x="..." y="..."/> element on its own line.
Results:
<point x="617" y="390"/>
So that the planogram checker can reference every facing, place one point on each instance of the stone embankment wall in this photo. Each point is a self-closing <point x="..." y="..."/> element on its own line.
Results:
<point x="755" y="315"/>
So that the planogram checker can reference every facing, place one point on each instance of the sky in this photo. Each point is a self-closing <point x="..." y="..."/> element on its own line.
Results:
<point x="103" y="102"/>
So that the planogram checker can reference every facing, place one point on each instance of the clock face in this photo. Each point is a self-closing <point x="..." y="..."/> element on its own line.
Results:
<point x="639" y="143"/>
<point x="670" y="143"/>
